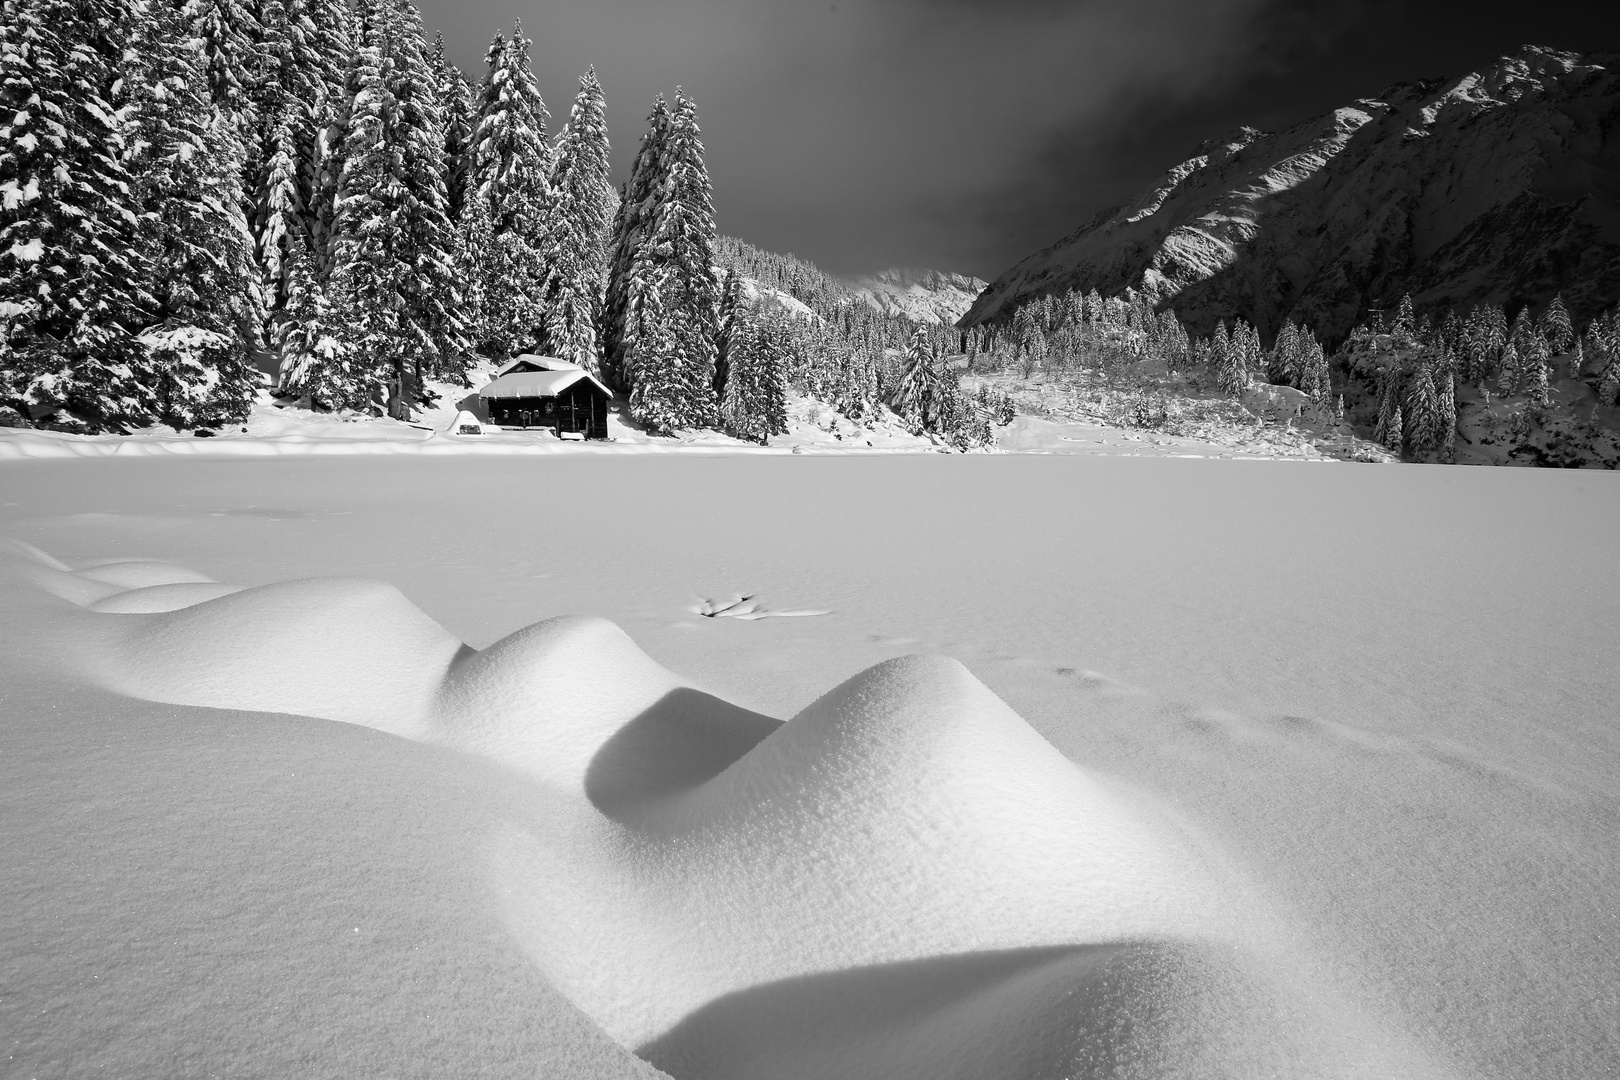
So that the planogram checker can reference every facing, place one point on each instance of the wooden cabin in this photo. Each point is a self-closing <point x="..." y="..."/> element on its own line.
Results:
<point x="544" y="392"/>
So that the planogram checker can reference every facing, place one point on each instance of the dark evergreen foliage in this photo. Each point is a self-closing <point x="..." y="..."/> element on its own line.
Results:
<point x="70" y="269"/>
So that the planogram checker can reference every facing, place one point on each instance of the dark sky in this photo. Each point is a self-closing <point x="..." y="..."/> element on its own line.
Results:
<point x="963" y="135"/>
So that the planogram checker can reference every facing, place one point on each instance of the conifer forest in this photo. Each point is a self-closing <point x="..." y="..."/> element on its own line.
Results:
<point x="204" y="200"/>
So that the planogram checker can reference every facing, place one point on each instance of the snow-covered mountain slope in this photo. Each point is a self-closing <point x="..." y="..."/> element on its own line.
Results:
<point x="1502" y="185"/>
<point x="924" y="296"/>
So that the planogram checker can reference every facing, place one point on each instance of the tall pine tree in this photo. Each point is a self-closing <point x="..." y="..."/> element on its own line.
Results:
<point x="673" y="387"/>
<point x="184" y="158"/>
<point x="632" y="222"/>
<point x="511" y="161"/>
<point x="394" y="278"/>
<point x="578" y="216"/>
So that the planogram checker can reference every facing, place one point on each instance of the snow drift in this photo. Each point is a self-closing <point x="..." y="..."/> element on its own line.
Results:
<point x="904" y="880"/>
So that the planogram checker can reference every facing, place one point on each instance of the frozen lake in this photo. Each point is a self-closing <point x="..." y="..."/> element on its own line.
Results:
<point x="1377" y="706"/>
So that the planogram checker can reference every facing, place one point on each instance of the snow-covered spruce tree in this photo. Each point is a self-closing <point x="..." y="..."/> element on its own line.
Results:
<point x="280" y="216"/>
<point x="1516" y="353"/>
<point x="733" y="310"/>
<point x="70" y="275"/>
<point x="475" y="260"/>
<point x="308" y="341"/>
<point x="1405" y="324"/>
<point x="1314" y="377"/>
<point x="184" y="159"/>
<point x="755" y="403"/>
<point x="1600" y="350"/>
<point x="1608" y="391"/>
<point x="456" y="104"/>
<point x="1445" y="389"/>
<point x="1232" y="370"/>
<point x="1421" y="413"/>
<point x="1485" y="333"/>
<point x="229" y="35"/>
<point x="577" y="219"/>
<point x="1286" y="360"/>
<point x="1030" y="338"/>
<point x="631" y="226"/>
<point x="917" y="395"/>
<point x="658" y="357"/>
<point x="394" y="278"/>
<point x="677" y="261"/>
<point x="1507" y="380"/>
<point x="1390" y="427"/>
<point x="1174" y="347"/>
<point x="1213" y="350"/>
<point x="1556" y="328"/>
<point x="1537" y="369"/>
<point x="511" y="164"/>
<point x="1453" y="339"/>
<point x="331" y="33"/>
<point x="433" y="290"/>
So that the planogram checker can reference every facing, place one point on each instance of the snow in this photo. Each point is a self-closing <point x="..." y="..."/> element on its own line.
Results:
<point x="1098" y="766"/>
<point x="27" y="250"/>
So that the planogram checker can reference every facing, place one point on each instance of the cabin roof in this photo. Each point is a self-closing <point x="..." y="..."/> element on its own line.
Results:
<point x="532" y="362"/>
<point x="538" y="384"/>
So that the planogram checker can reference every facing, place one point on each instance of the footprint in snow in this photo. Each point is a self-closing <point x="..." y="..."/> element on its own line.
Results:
<point x="746" y="607"/>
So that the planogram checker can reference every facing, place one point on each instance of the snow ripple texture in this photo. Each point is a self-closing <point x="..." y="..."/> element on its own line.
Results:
<point x="903" y="880"/>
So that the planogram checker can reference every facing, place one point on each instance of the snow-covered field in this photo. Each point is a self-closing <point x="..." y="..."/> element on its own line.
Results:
<point x="1200" y="768"/>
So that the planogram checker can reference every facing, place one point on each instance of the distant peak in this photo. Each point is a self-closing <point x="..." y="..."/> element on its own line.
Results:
<point x="904" y="276"/>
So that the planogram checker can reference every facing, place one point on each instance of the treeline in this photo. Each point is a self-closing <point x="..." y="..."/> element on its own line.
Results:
<point x="191" y="189"/>
<point x="1087" y="330"/>
<point x="1416" y="366"/>
<point x="1413" y="365"/>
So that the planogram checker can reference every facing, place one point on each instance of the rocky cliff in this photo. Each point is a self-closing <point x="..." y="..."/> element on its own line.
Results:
<point x="1501" y="186"/>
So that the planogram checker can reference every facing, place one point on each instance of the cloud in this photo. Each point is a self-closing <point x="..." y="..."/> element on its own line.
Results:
<point x="863" y="133"/>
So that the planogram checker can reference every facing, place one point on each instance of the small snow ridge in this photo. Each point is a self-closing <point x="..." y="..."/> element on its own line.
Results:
<point x="747" y="608"/>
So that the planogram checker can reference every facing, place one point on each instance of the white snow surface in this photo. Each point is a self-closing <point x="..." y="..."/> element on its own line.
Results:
<point x="1183" y="768"/>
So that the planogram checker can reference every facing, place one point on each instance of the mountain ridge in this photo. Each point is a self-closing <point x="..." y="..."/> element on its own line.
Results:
<point x="1501" y="185"/>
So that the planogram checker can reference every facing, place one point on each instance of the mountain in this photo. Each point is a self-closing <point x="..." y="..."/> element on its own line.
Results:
<point x="923" y="296"/>
<point x="1502" y="186"/>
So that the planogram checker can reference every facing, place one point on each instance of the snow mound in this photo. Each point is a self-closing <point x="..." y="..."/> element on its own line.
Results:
<point x="904" y="880"/>
<point x="154" y="599"/>
<point x="562" y="699"/>
<point x="142" y="573"/>
<point x="338" y="648"/>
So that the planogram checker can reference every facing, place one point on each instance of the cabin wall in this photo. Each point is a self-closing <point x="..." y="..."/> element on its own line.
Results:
<point x="582" y="407"/>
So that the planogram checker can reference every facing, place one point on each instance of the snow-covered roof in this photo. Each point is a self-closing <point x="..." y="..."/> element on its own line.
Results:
<point x="532" y="362"/>
<point x="525" y="384"/>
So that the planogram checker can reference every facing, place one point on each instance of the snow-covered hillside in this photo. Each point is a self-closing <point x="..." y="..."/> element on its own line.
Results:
<point x="1498" y="186"/>
<point x="923" y="296"/>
